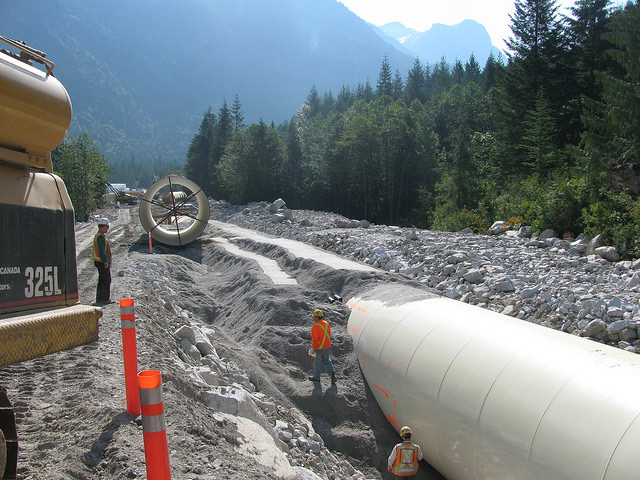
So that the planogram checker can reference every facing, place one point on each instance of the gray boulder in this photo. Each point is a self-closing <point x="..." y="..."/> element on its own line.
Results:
<point x="593" y="244"/>
<point x="594" y="327"/>
<point x="498" y="227"/>
<point x="608" y="253"/>
<point x="548" y="234"/>
<point x="474" y="276"/>
<point x="525" y="232"/>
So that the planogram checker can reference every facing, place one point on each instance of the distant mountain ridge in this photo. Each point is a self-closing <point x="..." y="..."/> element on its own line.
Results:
<point x="454" y="42"/>
<point x="141" y="74"/>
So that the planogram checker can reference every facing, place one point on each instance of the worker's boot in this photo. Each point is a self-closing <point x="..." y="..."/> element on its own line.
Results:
<point x="333" y="378"/>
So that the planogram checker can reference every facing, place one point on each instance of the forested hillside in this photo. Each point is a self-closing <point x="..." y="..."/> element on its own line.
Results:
<point x="141" y="73"/>
<point x="549" y="138"/>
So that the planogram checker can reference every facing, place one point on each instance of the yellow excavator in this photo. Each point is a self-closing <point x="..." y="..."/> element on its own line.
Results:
<point x="40" y="312"/>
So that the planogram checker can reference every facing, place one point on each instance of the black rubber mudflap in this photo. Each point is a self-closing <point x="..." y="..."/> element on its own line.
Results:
<point x="8" y="426"/>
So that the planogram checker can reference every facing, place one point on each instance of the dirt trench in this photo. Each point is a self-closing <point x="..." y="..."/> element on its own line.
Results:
<point x="266" y="328"/>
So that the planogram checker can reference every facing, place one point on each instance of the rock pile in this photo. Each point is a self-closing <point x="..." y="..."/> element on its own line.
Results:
<point x="573" y="285"/>
<point x="229" y="390"/>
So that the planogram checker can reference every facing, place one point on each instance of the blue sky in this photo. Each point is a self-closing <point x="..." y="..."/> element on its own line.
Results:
<point x="421" y="14"/>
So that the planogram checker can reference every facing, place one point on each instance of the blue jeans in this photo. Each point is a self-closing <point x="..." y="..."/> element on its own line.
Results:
<point x="322" y="360"/>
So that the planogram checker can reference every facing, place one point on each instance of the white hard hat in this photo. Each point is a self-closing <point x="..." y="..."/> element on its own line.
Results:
<point x="103" y="221"/>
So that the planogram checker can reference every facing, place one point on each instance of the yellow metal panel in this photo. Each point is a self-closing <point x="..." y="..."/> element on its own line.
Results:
<point x="35" y="109"/>
<point x="20" y="186"/>
<point x="35" y="335"/>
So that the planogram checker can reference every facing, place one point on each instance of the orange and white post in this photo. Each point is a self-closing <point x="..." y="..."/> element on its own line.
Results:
<point x="130" y="354"/>
<point x="156" y="451"/>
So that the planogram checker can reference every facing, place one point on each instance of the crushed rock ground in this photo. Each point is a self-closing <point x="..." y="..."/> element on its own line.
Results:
<point x="70" y="406"/>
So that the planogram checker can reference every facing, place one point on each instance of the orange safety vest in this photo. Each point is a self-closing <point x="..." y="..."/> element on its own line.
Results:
<point x="96" y="250"/>
<point x="320" y="335"/>
<point x="406" y="462"/>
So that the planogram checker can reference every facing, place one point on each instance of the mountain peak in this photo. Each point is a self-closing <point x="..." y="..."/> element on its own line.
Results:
<point x="451" y="41"/>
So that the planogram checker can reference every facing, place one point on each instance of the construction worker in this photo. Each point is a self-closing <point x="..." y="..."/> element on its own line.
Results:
<point x="321" y="345"/>
<point x="404" y="458"/>
<point x="102" y="261"/>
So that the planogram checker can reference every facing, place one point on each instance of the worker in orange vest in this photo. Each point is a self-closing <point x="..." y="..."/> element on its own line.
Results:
<point x="321" y="345"/>
<point x="404" y="458"/>
<point x="102" y="261"/>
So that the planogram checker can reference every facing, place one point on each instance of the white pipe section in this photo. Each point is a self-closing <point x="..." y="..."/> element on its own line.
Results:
<point x="171" y="197"/>
<point x="489" y="396"/>
<point x="175" y="235"/>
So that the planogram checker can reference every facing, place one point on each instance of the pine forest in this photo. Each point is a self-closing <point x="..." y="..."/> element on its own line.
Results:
<point x="548" y="136"/>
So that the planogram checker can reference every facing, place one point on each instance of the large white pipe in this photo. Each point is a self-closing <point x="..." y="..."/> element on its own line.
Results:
<point x="176" y="234"/>
<point x="489" y="396"/>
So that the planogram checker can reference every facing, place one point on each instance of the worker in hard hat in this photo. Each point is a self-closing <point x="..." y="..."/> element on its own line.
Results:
<point x="102" y="261"/>
<point x="404" y="458"/>
<point x="321" y="345"/>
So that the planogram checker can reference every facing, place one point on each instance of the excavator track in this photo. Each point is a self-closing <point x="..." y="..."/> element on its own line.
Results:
<point x="8" y="438"/>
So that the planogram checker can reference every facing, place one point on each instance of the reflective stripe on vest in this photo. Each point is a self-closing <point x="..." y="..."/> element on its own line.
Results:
<point x="96" y="251"/>
<point x="323" y="325"/>
<point x="406" y="460"/>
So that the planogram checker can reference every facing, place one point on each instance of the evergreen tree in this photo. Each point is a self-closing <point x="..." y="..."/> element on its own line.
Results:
<point x="398" y="86"/>
<point x="402" y="162"/>
<point x="359" y="144"/>
<point x="537" y="61"/>
<point x="429" y="87"/>
<point x="611" y="143"/>
<point x="441" y="77"/>
<point x="237" y="115"/>
<point x="314" y="102"/>
<point x="234" y="167"/>
<point x="197" y="164"/>
<point x="458" y="73"/>
<point x="365" y="92"/>
<point x="537" y="142"/>
<point x="293" y="175"/>
<point x="328" y="103"/>
<point x="536" y="30"/>
<point x="472" y="71"/>
<point x="461" y="113"/>
<point x="251" y="167"/>
<point x="345" y="99"/>
<point x="84" y="171"/>
<point x="221" y="135"/>
<point x="586" y="31"/>
<point x="385" y="83"/>
<point x="491" y="72"/>
<point x="415" y="87"/>
<point x="326" y="167"/>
